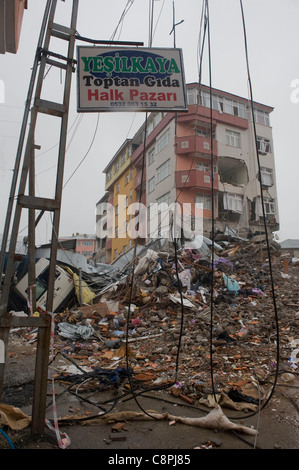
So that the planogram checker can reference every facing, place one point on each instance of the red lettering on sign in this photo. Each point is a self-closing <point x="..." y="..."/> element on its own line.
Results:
<point x="133" y="94"/>
<point x="92" y="94"/>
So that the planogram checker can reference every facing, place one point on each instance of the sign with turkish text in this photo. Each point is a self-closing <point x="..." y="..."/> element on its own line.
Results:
<point x="130" y="79"/>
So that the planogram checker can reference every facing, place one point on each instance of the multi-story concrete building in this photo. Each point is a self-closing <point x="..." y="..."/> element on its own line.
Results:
<point x="120" y="177"/>
<point x="83" y="244"/>
<point x="178" y="157"/>
<point x="237" y="189"/>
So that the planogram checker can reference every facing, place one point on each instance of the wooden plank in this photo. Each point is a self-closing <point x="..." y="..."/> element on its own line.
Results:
<point x="50" y="107"/>
<point x="42" y="321"/>
<point x="40" y="382"/>
<point x="38" y="203"/>
<point x="62" y="29"/>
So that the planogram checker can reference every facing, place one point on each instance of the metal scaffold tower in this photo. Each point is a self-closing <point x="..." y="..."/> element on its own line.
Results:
<point x="19" y="200"/>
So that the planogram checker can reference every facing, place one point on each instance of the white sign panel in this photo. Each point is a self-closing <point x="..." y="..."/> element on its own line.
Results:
<point x="130" y="79"/>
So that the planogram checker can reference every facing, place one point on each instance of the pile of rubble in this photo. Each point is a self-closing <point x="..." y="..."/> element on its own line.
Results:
<point x="190" y="322"/>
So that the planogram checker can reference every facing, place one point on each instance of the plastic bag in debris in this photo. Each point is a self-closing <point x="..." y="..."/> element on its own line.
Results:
<point x="295" y="352"/>
<point x="231" y="284"/>
<point x="150" y="257"/>
<point x="185" y="278"/>
<point x="75" y="332"/>
<point x="81" y="288"/>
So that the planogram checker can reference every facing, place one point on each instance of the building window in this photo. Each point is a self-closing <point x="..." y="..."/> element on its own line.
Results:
<point x="116" y="232"/>
<point x="157" y="118"/>
<point x="116" y="209"/>
<point x="89" y="243"/>
<point x="163" y="140"/>
<point x="224" y="105"/>
<point x="150" y="127"/>
<point x="205" y="99"/>
<point x="123" y="158"/>
<point x="151" y="156"/>
<point x="217" y="103"/>
<point x="116" y="166"/>
<point x="115" y="253"/>
<point x="109" y="175"/>
<point x="205" y="200"/>
<point x="185" y="178"/>
<point x="269" y="206"/>
<point x="131" y="195"/>
<point x="202" y="132"/>
<point x="233" y="138"/>
<point x="202" y="166"/>
<point x="263" y="145"/>
<point x="163" y="171"/>
<point x="233" y="202"/>
<point x="127" y="178"/>
<point x="261" y="117"/>
<point x="235" y="108"/>
<point x="127" y="202"/>
<point x="267" y="176"/>
<point x="191" y="96"/>
<point x="151" y="185"/>
<point x="164" y="199"/>
<point x="117" y="188"/>
<point x="185" y="144"/>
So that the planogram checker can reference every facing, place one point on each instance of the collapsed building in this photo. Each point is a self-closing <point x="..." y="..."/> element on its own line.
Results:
<point x="190" y="158"/>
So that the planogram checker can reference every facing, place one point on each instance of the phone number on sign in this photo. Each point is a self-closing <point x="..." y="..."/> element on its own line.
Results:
<point x="133" y="104"/>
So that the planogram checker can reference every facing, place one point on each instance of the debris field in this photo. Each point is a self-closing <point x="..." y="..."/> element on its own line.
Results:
<point x="211" y="328"/>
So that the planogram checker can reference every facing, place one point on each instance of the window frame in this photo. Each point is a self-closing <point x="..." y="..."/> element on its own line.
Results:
<point x="163" y="171"/>
<point x="233" y="138"/>
<point x="205" y="199"/>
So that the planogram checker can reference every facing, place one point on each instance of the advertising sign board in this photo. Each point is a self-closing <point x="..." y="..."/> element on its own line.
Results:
<point x="130" y="79"/>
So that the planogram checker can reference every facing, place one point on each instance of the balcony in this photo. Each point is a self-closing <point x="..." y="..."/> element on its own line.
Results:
<point x="195" y="144"/>
<point x="203" y="114"/>
<point x="195" y="179"/>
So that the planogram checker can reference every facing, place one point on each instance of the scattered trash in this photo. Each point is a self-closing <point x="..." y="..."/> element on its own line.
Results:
<point x="167" y="326"/>
<point x="75" y="332"/>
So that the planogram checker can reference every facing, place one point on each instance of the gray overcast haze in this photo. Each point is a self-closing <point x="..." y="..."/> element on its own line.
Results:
<point x="273" y="41"/>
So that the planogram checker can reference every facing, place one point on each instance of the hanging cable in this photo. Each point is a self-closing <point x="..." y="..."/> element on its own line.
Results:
<point x="151" y="14"/>
<point x="56" y="145"/>
<point x="263" y="208"/>
<point x="122" y="17"/>
<point x="158" y="18"/>
<point x="86" y="154"/>
<point x="41" y="172"/>
<point x="69" y="144"/>
<point x="213" y="202"/>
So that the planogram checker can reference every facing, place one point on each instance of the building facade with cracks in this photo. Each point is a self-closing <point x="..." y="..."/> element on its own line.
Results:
<point x="206" y="157"/>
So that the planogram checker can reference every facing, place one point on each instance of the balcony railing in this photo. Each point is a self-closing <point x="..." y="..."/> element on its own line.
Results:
<point x="188" y="179"/>
<point x="195" y="144"/>
<point x="203" y="114"/>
